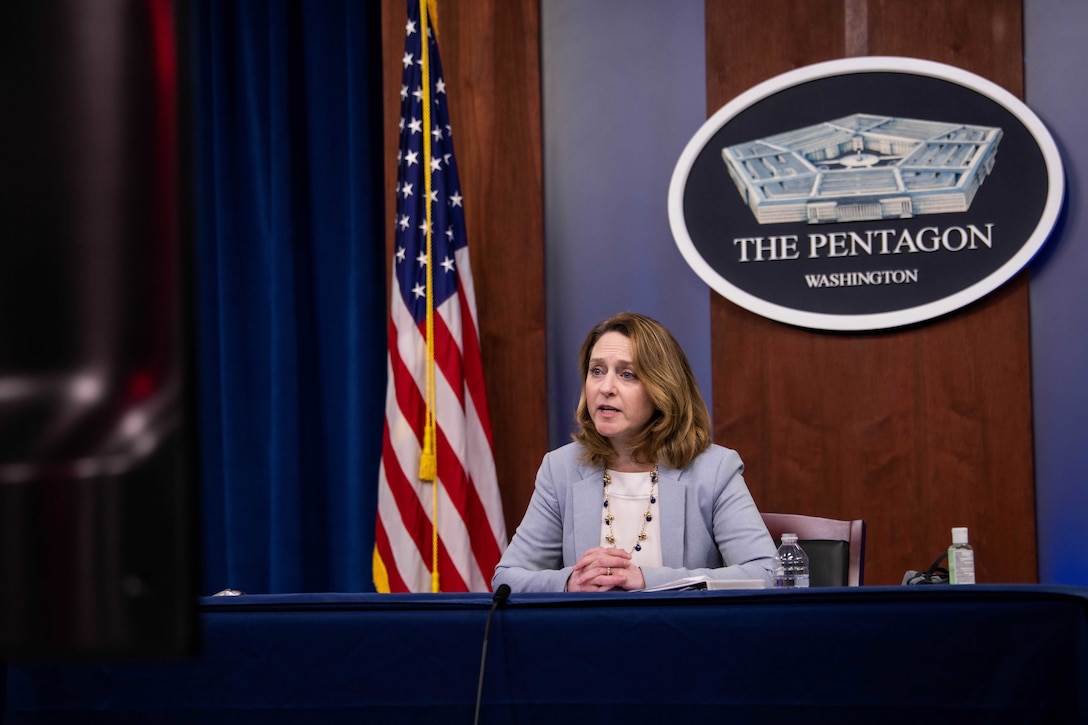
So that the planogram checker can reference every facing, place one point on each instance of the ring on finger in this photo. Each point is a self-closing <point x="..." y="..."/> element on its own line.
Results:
<point x="609" y="571"/>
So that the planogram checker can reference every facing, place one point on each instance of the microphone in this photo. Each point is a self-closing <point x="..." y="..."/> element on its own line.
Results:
<point x="498" y="600"/>
<point x="501" y="595"/>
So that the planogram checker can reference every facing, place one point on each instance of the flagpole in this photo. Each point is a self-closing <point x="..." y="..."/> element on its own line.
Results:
<point x="428" y="462"/>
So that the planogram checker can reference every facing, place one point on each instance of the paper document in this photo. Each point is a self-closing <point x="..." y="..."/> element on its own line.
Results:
<point x="705" y="582"/>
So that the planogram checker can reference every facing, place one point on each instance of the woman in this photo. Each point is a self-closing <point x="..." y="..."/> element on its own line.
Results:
<point x="641" y="497"/>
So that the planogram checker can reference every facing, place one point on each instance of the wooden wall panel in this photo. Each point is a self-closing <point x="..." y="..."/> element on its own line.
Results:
<point x="491" y="61"/>
<point x="915" y="430"/>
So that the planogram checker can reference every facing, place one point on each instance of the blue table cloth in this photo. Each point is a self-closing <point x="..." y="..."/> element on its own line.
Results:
<point x="933" y="654"/>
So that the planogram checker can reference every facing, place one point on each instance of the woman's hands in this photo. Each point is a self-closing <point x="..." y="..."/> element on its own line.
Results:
<point x="602" y="569"/>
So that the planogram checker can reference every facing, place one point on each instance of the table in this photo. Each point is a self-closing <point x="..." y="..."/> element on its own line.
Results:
<point x="933" y="654"/>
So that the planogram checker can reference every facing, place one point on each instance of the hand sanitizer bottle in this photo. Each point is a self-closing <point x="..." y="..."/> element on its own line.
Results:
<point x="961" y="558"/>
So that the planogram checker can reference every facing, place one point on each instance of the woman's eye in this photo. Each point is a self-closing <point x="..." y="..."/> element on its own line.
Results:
<point x="627" y="375"/>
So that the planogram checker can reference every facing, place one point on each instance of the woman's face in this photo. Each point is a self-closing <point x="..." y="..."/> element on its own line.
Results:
<point x="618" y="403"/>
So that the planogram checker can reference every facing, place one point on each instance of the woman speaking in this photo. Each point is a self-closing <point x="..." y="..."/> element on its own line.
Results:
<point x="641" y="497"/>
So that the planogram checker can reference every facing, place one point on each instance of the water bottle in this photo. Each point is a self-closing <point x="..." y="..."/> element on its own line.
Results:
<point x="790" y="564"/>
<point x="961" y="558"/>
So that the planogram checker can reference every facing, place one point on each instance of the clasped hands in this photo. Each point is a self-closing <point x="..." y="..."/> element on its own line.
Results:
<point x="602" y="569"/>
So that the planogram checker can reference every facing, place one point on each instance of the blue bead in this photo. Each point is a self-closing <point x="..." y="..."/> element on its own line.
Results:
<point x="606" y="504"/>
<point x="653" y="500"/>
<point x="638" y="547"/>
<point x="649" y="518"/>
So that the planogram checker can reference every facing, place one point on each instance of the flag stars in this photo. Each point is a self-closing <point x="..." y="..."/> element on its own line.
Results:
<point x="410" y="28"/>
<point x="415" y="229"/>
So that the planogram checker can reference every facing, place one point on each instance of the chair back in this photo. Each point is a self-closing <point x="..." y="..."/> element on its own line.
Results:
<point x="835" y="548"/>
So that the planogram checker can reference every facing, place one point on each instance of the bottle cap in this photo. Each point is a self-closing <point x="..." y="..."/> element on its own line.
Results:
<point x="789" y="538"/>
<point x="959" y="535"/>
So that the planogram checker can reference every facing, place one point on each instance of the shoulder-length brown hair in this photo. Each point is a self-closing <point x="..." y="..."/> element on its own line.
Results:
<point x="680" y="427"/>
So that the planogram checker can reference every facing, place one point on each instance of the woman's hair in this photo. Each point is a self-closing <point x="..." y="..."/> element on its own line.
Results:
<point x="679" y="429"/>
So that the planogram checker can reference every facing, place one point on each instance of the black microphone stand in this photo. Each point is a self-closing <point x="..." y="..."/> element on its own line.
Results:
<point x="501" y="595"/>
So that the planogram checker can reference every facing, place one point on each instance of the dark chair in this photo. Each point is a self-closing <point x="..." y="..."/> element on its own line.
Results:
<point x="836" y="549"/>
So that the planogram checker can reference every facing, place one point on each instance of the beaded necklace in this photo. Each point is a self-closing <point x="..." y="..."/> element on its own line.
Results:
<point x="646" y="517"/>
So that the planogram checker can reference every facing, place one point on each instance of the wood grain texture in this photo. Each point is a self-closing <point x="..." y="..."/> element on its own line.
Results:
<point x="915" y="430"/>
<point x="491" y="62"/>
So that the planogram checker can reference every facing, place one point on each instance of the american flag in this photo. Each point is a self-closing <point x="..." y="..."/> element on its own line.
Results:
<point x="410" y="555"/>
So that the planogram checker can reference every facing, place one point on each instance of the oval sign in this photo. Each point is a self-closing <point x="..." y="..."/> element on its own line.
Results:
<point x="865" y="193"/>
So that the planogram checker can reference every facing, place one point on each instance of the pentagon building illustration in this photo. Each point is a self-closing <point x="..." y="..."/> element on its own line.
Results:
<point x="863" y="167"/>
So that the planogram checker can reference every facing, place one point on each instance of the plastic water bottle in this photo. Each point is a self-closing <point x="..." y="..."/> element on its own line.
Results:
<point x="961" y="558"/>
<point x="790" y="563"/>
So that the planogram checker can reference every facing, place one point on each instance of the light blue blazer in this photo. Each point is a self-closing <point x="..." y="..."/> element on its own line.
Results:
<point x="710" y="525"/>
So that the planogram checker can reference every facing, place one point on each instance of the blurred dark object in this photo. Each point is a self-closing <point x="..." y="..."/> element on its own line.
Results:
<point x="97" y="448"/>
<point x="935" y="574"/>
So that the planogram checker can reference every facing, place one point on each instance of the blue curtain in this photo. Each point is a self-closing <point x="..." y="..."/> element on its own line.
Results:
<point x="290" y="287"/>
